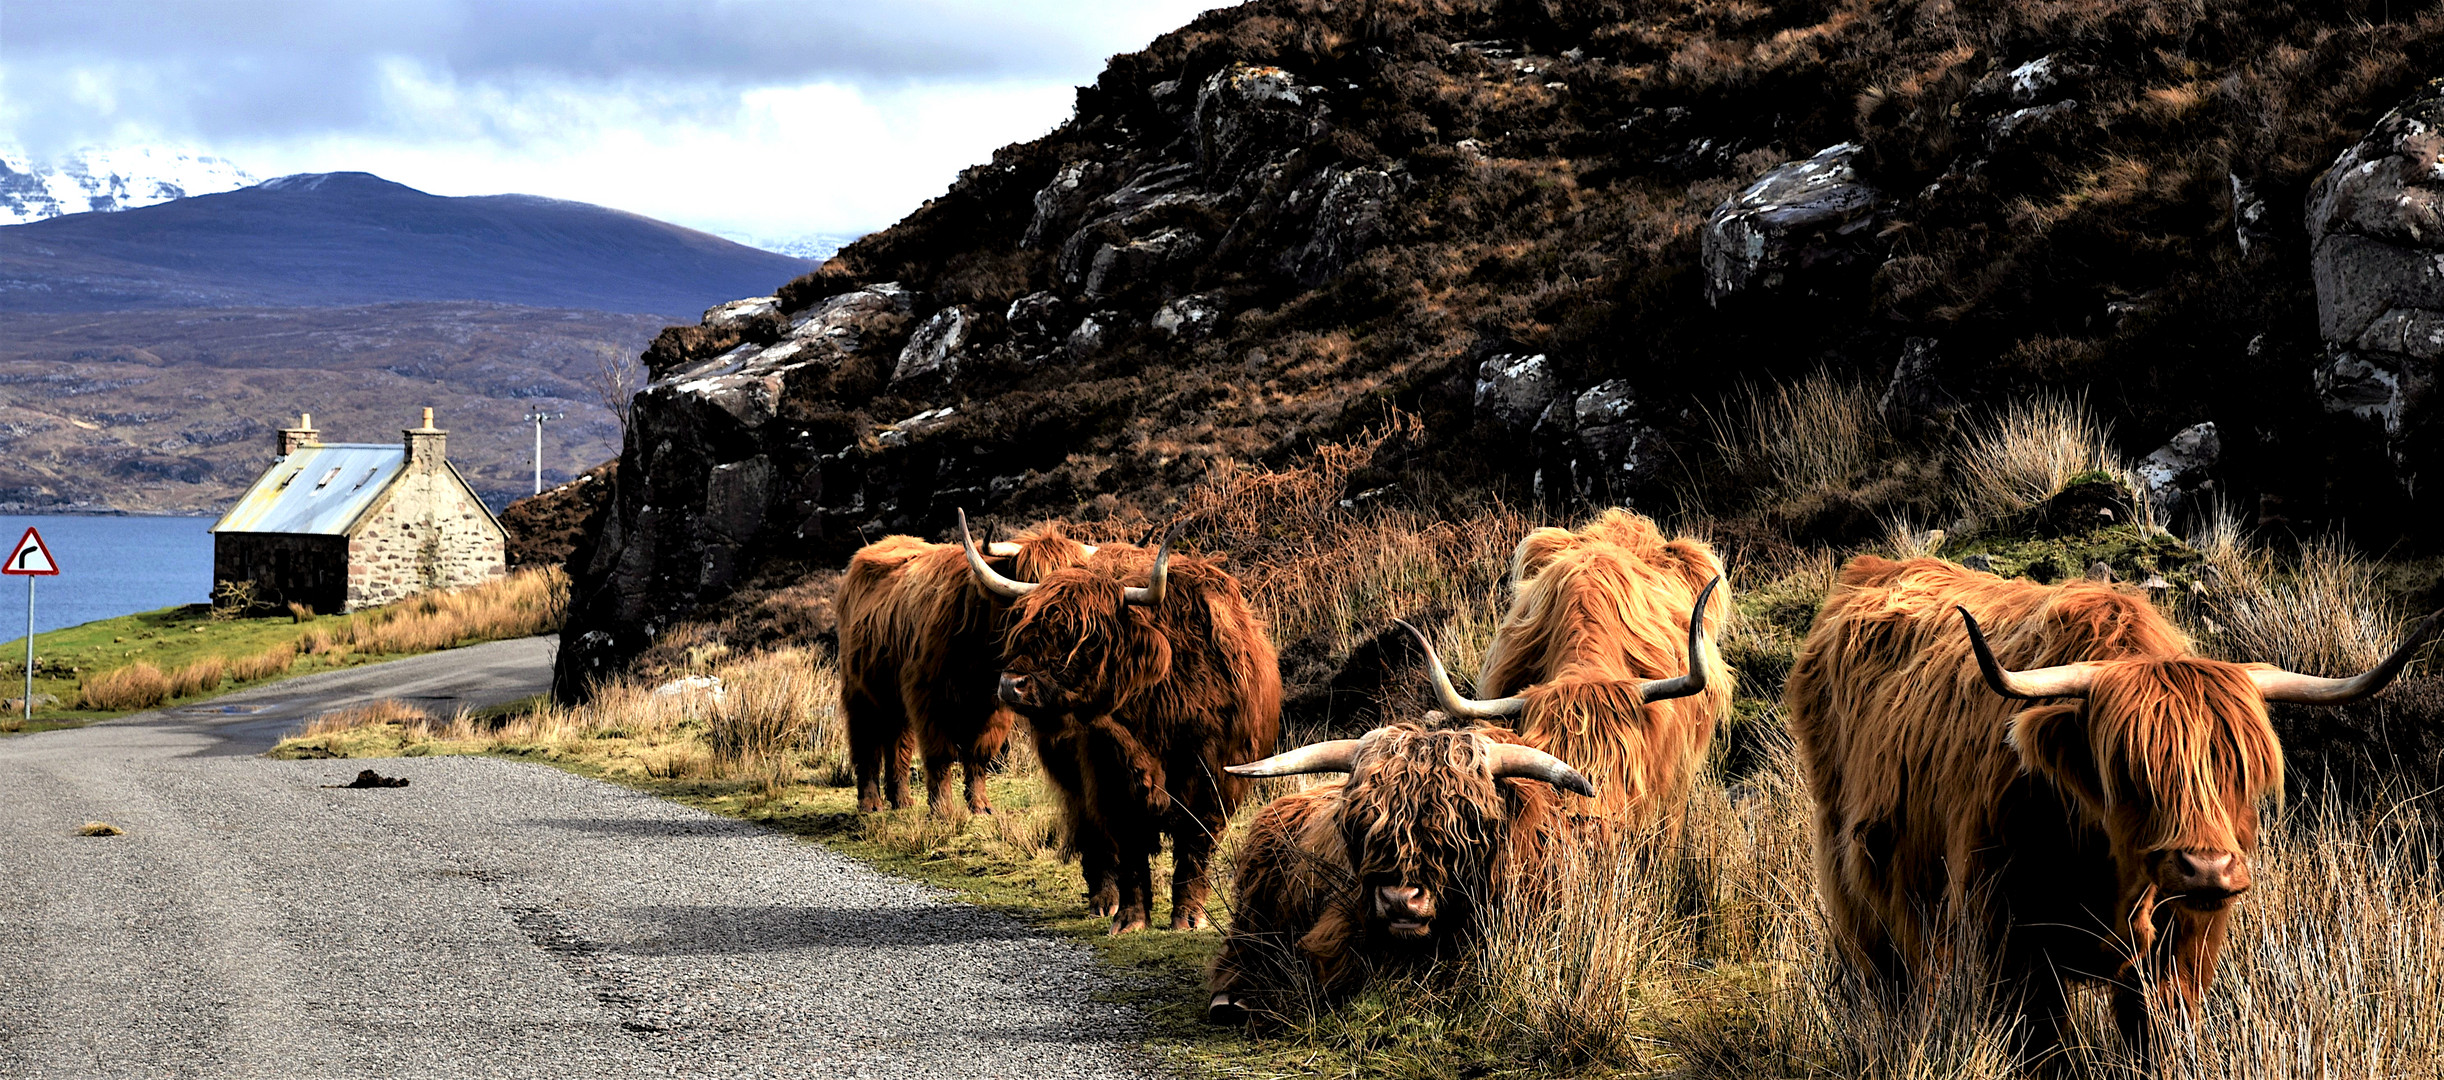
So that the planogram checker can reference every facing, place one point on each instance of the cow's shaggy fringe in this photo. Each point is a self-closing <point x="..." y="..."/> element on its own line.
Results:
<point x="1597" y="611"/>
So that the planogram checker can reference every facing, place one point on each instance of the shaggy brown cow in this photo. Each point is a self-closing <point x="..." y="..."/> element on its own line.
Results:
<point x="1399" y="865"/>
<point x="1598" y="622"/>
<point x="920" y="653"/>
<point x="2090" y="820"/>
<point x="1138" y="697"/>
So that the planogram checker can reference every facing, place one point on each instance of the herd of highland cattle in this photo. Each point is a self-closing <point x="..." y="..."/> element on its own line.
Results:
<point x="2051" y="767"/>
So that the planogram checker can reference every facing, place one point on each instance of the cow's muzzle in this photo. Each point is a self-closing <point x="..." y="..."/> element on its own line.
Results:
<point x="2204" y="880"/>
<point x="1016" y="690"/>
<point x="1406" y="911"/>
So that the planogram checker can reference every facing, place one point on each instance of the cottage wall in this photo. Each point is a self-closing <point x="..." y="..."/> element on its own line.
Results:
<point x="285" y="567"/>
<point x="427" y="533"/>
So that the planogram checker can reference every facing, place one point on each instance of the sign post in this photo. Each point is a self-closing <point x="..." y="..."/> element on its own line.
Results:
<point x="31" y="560"/>
<point x="538" y="416"/>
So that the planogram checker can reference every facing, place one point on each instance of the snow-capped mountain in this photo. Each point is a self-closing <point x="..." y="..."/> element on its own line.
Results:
<point x="119" y="178"/>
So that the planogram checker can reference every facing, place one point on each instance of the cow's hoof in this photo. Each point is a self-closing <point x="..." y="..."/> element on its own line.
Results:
<point x="1102" y="909"/>
<point x="869" y="806"/>
<point x="1127" y="924"/>
<point x="1192" y="921"/>
<point x="1225" y="1010"/>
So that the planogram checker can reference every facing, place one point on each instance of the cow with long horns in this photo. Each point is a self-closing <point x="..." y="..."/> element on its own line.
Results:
<point x="1433" y="832"/>
<point x="1138" y="697"/>
<point x="1596" y="627"/>
<point x="920" y="653"/>
<point x="2081" y="792"/>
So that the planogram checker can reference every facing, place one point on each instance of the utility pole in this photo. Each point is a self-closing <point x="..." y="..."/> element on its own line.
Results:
<point x="538" y="416"/>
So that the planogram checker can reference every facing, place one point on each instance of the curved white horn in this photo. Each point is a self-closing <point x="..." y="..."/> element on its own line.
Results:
<point x="1680" y="686"/>
<point x="1512" y="759"/>
<point x="2291" y="686"/>
<point x="1466" y="708"/>
<point x="987" y="578"/>
<point x="2064" y="681"/>
<point x="1335" y="755"/>
<point x="1158" y="580"/>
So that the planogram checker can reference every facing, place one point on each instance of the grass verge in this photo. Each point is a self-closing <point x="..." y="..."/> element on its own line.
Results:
<point x="181" y="655"/>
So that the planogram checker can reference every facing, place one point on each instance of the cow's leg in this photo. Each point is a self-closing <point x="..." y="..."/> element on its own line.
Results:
<point x="937" y="780"/>
<point x="874" y="726"/>
<point x="895" y="770"/>
<point x="1191" y="852"/>
<point x="983" y="755"/>
<point x="1101" y="865"/>
<point x="1136" y="892"/>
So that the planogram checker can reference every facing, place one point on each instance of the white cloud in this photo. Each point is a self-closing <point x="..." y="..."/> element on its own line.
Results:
<point x="765" y="118"/>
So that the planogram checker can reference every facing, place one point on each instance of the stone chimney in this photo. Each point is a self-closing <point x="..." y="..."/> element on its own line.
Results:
<point x="302" y="435"/>
<point x="427" y="446"/>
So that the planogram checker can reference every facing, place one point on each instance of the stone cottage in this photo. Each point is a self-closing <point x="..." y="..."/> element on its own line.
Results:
<point x="342" y="526"/>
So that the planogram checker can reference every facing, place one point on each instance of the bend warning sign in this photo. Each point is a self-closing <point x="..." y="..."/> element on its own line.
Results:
<point x="31" y="558"/>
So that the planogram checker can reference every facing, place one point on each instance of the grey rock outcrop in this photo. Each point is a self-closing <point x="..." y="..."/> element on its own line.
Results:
<point x="1799" y="216"/>
<point x="2376" y="235"/>
<point x="1514" y="389"/>
<point x="1247" y="114"/>
<point x="1618" y="449"/>
<point x="1190" y="317"/>
<point x="932" y="353"/>
<point x="1913" y="398"/>
<point x="2176" y="473"/>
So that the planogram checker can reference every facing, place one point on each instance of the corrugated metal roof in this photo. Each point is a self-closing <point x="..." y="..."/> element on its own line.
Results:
<point x="316" y="489"/>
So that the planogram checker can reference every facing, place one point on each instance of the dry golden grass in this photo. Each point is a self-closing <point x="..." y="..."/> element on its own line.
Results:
<point x="263" y="665"/>
<point x="136" y="686"/>
<point x="2032" y="449"/>
<point x="522" y="604"/>
<point x="201" y="676"/>
<point x="1816" y="435"/>
<point x="370" y="714"/>
<point x="2321" y="611"/>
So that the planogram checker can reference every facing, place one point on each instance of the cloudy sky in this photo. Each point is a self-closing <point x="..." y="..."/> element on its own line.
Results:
<point x="768" y="117"/>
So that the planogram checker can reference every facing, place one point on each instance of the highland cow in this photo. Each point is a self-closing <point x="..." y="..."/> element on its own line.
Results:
<point x="1138" y="697"/>
<point x="920" y="653"/>
<point x="1399" y="866"/>
<point x="1601" y="620"/>
<point x="2081" y="795"/>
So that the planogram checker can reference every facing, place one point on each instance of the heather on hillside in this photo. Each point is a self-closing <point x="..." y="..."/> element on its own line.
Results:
<point x="1275" y="224"/>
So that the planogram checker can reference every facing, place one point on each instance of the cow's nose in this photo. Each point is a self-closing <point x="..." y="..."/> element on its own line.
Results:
<point x="2211" y="874"/>
<point x="1402" y="899"/>
<point x="1013" y="688"/>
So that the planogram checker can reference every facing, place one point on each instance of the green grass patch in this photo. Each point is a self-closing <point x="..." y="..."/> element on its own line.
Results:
<point x="169" y="639"/>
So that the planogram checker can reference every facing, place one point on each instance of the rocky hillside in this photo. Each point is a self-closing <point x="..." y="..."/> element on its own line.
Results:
<point x="1558" y="235"/>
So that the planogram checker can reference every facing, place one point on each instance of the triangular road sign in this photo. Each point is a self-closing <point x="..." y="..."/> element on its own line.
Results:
<point x="31" y="558"/>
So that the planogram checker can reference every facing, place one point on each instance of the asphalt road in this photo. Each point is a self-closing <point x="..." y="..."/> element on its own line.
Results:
<point x="494" y="918"/>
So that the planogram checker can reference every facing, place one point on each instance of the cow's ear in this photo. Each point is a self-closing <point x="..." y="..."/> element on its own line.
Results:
<point x="2052" y="741"/>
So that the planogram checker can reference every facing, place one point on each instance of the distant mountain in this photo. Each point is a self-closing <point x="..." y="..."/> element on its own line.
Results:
<point x="813" y="247"/>
<point x="333" y="239"/>
<point x="95" y="180"/>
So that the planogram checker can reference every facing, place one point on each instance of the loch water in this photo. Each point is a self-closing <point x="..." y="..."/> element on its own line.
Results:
<point x="108" y="565"/>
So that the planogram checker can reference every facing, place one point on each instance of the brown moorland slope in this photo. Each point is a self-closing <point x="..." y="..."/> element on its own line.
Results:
<point x="1277" y="225"/>
<point x="173" y="411"/>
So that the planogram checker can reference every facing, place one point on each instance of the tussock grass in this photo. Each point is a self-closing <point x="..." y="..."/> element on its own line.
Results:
<point x="2321" y="611"/>
<point x="202" y="676"/>
<point x="137" y="686"/>
<point x="2033" y="448"/>
<point x="263" y="665"/>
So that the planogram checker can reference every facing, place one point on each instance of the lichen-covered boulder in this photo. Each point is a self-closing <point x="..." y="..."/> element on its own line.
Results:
<point x="1799" y="216"/>
<point x="1246" y="114"/>
<point x="1513" y="389"/>
<point x="2376" y="236"/>
<point x="2177" y="473"/>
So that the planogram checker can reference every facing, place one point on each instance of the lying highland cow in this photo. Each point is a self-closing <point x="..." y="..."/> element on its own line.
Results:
<point x="2082" y="793"/>
<point x="1138" y="698"/>
<point x="1601" y="618"/>
<point x="920" y="656"/>
<point x="1433" y="832"/>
